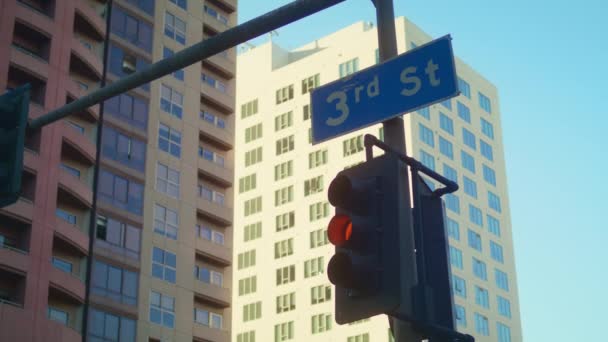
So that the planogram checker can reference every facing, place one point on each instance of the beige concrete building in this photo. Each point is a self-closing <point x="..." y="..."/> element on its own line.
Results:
<point x="281" y="291"/>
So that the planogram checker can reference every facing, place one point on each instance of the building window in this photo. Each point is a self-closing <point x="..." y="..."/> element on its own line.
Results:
<point x="252" y="311"/>
<point x="167" y="180"/>
<point x="247" y="183"/>
<point x="248" y="285"/>
<point x="283" y="248"/>
<point x="479" y="269"/>
<point x="464" y="112"/>
<point x="166" y="222"/>
<point x="211" y="195"/>
<point x="171" y="101"/>
<point x="208" y="276"/>
<point x="426" y="135"/>
<point x="58" y="315"/>
<point x="456" y="257"/>
<point x="427" y="159"/>
<point x="66" y="216"/>
<point x="253" y="206"/>
<point x="306" y="112"/>
<point x="283" y="121"/>
<point x="248" y="109"/>
<point x="493" y="225"/>
<point x="320" y="323"/>
<point x="163" y="265"/>
<point x="447" y="104"/>
<point x="313" y="185"/>
<point x="283" y="170"/>
<point x="450" y="173"/>
<point x="314" y="267"/>
<point x="489" y="175"/>
<point x="475" y="215"/>
<point x="169" y="140"/>
<point x="468" y="162"/>
<point x="213" y="82"/>
<point x="284" y="94"/>
<point x="460" y="286"/>
<point x="284" y="145"/>
<point x="123" y="148"/>
<point x="481" y="325"/>
<point x="122" y="193"/>
<point x="310" y="83"/>
<point x="130" y="109"/>
<point x="446" y="124"/>
<point x="118" y="234"/>
<point x="453" y="229"/>
<point x="481" y="297"/>
<point x="504" y="306"/>
<point x="208" y="318"/>
<point x="246" y="259"/>
<point x="180" y="3"/>
<point x="162" y="309"/>
<point x="283" y="332"/>
<point x="254" y="132"/>
<point x="123" y="63"/>
<point x="107" y="327"/>
<point x="487" y="129"/>
<point x="352" y="145"/>
<point x="317" y="158"/>
<point x="503" y="332"/>
<point x="175" y="28"/>
<point x="452" y="202"/>
<point x="248" y="336"/>
<point x="179" y="74"/>
<point x="254" y="156"/>
<point x="211" y="156"/>
<point x="209" y="234"/>
<point x="318" y="238"/>
<point x="318" y="211"/>
<point x="474" y="240"/>
<point x="320" y="294"/>
<point x="470" y="187"/>
<point x="446" y="148"/>
<point x="286" y="302"/>
<point x="484" y="103"/>
<point x="212" y="119"/>
<point x="132" y="29"/>
<point x="114" y="283"/>
<point x="461" y="315"/>
<point x="494" y="201"/>
<point x="496" y="252"/>
<point x="486" y="150"/>
<point x="358" y="338"/>
<point x="286" y="274"/>
<point x="349" y="67"/>
<point x="502" y="281"/>
<point x="62" y="264"/>
<point x="285" y="221"/>
<point x="469" y="138"/>
<point x="464" y="87"/>
<point x="216" y="14"/>
<point x="253" y="231"/>
<point x="425" y="112"/>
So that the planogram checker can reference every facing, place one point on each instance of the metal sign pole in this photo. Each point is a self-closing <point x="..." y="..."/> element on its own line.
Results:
<point x="394" y="135"/>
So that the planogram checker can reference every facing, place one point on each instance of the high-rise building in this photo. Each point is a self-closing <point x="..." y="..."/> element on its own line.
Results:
<point x="281" y="291"/>
<point x="148" y="256"/>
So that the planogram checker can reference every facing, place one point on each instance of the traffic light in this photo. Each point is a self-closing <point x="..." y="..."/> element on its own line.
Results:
<point x="367" y="268"/>
<point x="14" y="107"/>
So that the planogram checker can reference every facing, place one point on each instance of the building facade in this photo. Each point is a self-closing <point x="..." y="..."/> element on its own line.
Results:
<point x="148" y="256"/>
<point x="281" y="291"/>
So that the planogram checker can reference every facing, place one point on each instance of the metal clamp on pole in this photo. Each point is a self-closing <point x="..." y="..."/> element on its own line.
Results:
<point x="370" y="141"/>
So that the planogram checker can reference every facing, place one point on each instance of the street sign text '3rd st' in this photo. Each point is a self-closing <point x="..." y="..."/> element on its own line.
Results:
<point x="418" y="78"/>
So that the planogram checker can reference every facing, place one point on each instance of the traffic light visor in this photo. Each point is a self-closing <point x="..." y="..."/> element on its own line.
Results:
<point x="340" y="230"/>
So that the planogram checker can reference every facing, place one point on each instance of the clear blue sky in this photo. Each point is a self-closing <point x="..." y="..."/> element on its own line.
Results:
<point x="549" y="61"/>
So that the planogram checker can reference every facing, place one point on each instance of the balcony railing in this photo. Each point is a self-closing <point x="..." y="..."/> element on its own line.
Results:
<point x="8" y="302"/>
<point x="29" y="53"/>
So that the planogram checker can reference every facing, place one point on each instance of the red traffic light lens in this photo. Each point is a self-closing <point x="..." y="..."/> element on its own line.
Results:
<point x="340" y="230"/>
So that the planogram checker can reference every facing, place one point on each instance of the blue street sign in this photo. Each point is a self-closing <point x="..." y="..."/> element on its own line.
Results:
<point x="418" y="78"/>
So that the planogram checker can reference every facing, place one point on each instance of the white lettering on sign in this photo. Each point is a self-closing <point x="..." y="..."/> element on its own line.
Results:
<point x="408" y="77"/>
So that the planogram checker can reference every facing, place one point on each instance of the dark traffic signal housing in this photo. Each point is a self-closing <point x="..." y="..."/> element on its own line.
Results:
<point x="365" y="231"/>
<point x="14" y="106"/>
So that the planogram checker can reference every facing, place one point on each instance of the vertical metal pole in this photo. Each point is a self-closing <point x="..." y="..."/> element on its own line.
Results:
<point x="394" y="136"/>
